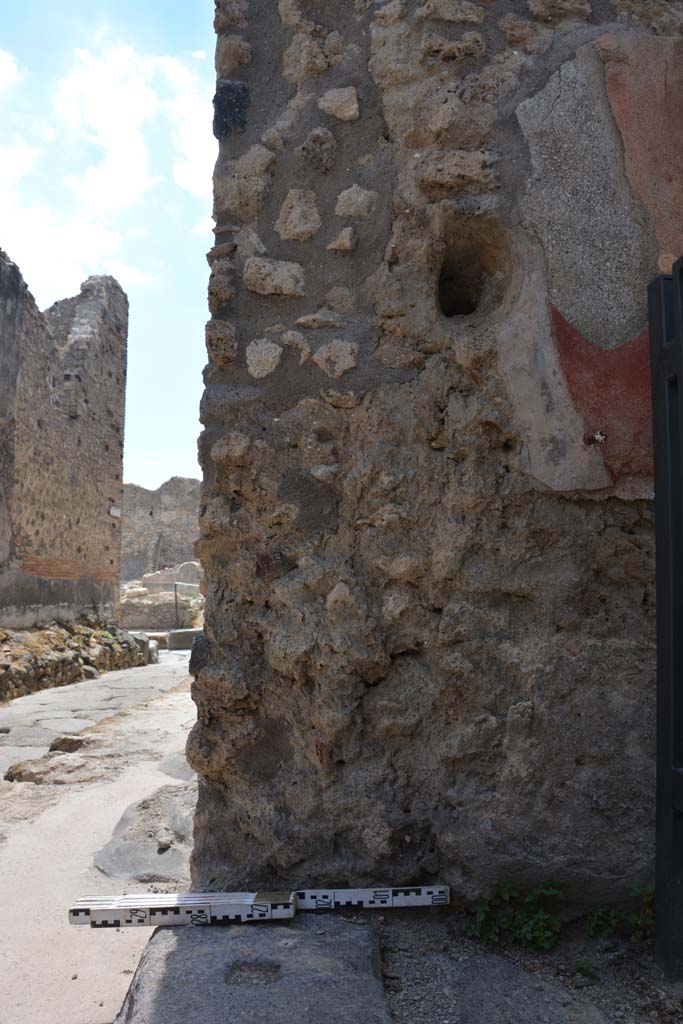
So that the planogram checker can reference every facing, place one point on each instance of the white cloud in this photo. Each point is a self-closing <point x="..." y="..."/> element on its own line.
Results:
<point x="71" y="248"/>
<point x="107" y="100"/>
<point x="123" y="123"/>
<point x="110" y="98"/>
<point x="10" y="72"/>
<point x="205" y="227"/>
<point x="16" y="161"/>
<point x="195" y="146"/>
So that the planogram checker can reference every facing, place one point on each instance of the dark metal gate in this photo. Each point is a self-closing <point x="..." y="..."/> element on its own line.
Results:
<point x="665" y="297"/>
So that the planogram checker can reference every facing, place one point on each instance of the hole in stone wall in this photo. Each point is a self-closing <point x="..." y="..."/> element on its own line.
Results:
<point x="475" y="266"/>
<point x="460" y="286"/>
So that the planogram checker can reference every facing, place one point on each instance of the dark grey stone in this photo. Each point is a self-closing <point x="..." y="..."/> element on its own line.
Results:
<point x="182" y="639"/>
<point x="152" y="841"/>
<point x="230" y="108"/>
<point x="490" y="990"/>
<point x="27" y="736"/>
<point x="68" y="744"/>
<point x="199" y="657"/>
<point x="177" y="767"/>
<point x="142" y="640"/>
<point x="317" y="970"/>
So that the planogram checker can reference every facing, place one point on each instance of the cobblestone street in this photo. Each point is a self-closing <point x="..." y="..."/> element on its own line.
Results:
<point x="121" y="740"/>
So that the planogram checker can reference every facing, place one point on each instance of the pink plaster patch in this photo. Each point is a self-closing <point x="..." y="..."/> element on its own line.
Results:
<point x="644" y="81"/>
<point x="611" y="391"/>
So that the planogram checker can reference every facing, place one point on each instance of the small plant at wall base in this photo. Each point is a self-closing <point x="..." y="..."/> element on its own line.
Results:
<point x="483" y="923"/>
<point x="602" y="923"/>
<point x="531" y="919"/>
<point x="642" y="920"/>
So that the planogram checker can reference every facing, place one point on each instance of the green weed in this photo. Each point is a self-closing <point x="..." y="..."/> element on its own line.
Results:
<point x="643" y="919"/>
<point x="530" y="919"/>
<point x="602" y="923"/>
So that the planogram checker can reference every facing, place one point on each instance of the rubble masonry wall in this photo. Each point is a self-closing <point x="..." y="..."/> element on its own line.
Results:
<point x="61" y="449"/>
<point x="160" y="526"/>
<point x="427" y="525"/>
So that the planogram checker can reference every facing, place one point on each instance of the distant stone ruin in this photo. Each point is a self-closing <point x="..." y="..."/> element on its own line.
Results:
<point x="62" y="388"/>
<point x="167" y="599"/>
<point x="159" y="527"/>
<point x="426" y="516"/>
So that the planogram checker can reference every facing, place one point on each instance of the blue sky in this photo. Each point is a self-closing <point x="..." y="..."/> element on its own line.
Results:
<point x="106" y="155"/>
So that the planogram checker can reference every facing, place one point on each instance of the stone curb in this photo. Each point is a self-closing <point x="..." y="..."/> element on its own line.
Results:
<point x="313" y="969"/>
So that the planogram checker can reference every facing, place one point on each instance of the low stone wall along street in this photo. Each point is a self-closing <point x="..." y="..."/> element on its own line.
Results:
<point x="62" y="653"/>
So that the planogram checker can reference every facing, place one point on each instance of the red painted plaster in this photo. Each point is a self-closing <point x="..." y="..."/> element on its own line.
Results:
<point x="611" y="391"/>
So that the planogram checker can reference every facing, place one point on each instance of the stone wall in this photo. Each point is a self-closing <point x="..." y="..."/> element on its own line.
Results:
<point x="159" y="527"/>
<point x="426" y="516"/>
<point x="62" y="392"/>
<point x="61" y="653"/>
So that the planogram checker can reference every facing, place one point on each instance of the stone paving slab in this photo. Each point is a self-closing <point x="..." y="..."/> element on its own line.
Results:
<point x="29" y="725"/>
<point x="152" y="841"/>
<point x="491" y="990"/>
<point x="27" y="736"/>
<point x="15" y="755"/>
<point x="66" y="725"/>
<point x="314" y="970"/>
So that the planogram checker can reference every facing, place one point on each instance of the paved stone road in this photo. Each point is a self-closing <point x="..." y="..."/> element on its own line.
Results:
<point x="64" y="810"/>
<point x="29" y="725"/>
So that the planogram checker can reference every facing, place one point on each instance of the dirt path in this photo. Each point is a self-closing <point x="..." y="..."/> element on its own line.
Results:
<point x="52" y="827"/>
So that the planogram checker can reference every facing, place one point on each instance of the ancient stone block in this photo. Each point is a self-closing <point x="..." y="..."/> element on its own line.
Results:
<point x="356" y="202"/>
<point x="231" y="53"/>
<point x="304" y="58"/>
<point x="263" y="356"/>
<point x="333" y="48"/>
<point x="273" y="277"/>
<point x="457" y="171"/>
<point x="230" y="14"/>
<point x="221" y="342"/>
<point x="336" y="357"/>
<point x="554" y="10"/>
<point x="299" y="219"/>
<point x="525" y="35"/>
<point x="241" y="186"/>
<point x="452" y="10"/>
<point x="340" y="103"/>
<point x="319" y="149"/>
<point x="295" y="340"/>
<point x="322" y="318"/>
<point x="264" y="974"/>
<point x="230" y="108"/>
<point x="345" y="241"/>
<point x="221" y="284"/>
<point x="435" y="47"/>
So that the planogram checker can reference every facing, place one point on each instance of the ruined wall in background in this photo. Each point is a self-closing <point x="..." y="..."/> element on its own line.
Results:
<point x="61" y="448"/>
<point x="159" y="527"/>
<point x="426" y="518"/>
